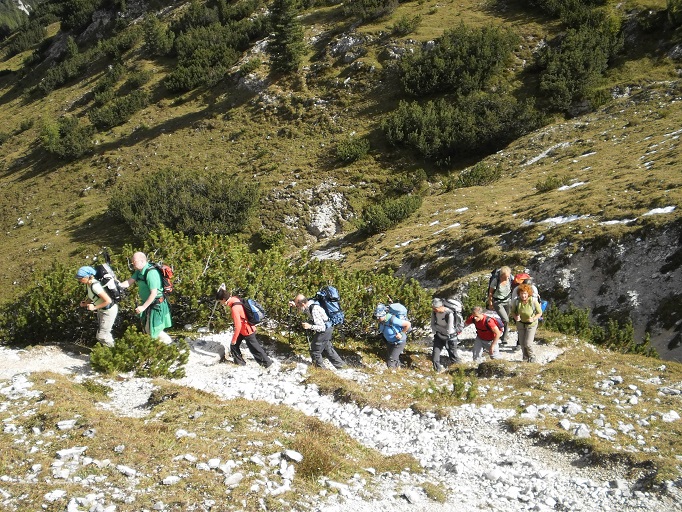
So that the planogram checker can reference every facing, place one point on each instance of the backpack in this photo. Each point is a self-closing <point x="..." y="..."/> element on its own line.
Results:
<point x="107" y="278"/>
<point x="456" y="308"/>
<point x="519" y="279"/>
<point x="255" y="313"/>
<point x="497" y="320"/>
<point x="166" y="274"/>
<point x="328" y="298"/>
<point x="495" y="276"/>
<point x="399" y="311"/>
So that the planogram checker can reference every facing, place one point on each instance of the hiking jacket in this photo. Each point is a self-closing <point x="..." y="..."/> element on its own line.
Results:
<point x="241" y="324"/>
<point x="390" y="328"/>
<point x="443" y="323"/>
<point x="318" y="317"/>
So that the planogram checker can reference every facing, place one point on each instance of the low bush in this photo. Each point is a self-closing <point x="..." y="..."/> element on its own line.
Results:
<point x="137" y="352"/>
<point x="189" y="202"/>
<point x="352" y="149"/>
<point x="406" y="25"/>
<point x="474" y="125"/>
<point x="368" y="10"/>
<point x="67" y="138"/>
<point x="462" y="61"/>
<point x="552" y="183"/>
<point x="479" y="174"/>
<point x="390" y="212"/>
<point x="118" y="110"/>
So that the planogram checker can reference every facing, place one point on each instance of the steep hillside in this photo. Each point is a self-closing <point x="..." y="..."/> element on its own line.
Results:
<point x="599" y="177"/>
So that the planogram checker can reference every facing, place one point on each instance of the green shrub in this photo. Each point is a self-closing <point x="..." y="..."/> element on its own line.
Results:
<point x="552" y="183"/>
<point x="352" y="149"/>
<point x="118" y="110"/>
<point x="137" y="352"/>
<point x="406" y="25"/>
<point x="190" y="202"/>
<point x="29" y="35"/>
<point x="674" y="12"/>
<point x="139" y="78"/>
<point x="477" y="124"/>
<point x="287" y="46"/>
<point x="479" y="174"/>
<point x="4" y="137"/>
<point x="114" y="47"/>
<point x="572" y="68"/>
<point x="380" y="217"/>
<point x="368" y="10"/>
<point x="158" y="39"/>
<point x="250" y="66"/>
<point x="67" y="138"/>
<point x="462" y="61"/>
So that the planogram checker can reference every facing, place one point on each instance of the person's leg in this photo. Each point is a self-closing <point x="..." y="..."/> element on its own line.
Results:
<point x="316" y="348"/>
<point x="452" y="346"/>
<point x="330" y="353"/>
<point x="530" y="341"/>
<point x="438" y="344"/>
<point x="522" y="330"/>
<point x="236" y="352"/>
<point x="502" y="309"/>
<point x="257" y="350"/>
<point x="165" y="338"/>
<point x="477" y="351"/>
<point x="105" y="320"/>
<point x="393" y="355"/>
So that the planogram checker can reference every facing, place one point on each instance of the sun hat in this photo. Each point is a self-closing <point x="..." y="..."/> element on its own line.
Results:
<point x="436" y="303"/>
<point x="380" y="311"/>
<point x="85" y="271"/>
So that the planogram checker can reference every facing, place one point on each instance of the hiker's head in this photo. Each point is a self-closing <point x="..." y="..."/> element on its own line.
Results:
<point x="84" y="274"/>
<point x="525" y="291"/>
<point x="477" y="313"/>
<point x="300" y="301"/>
<point x="222" y="295"/>
<point x="380" y="312"/>
<point x="437" y="305"/>
<point x="139" y="260"/>
<point x="505" y="273"/>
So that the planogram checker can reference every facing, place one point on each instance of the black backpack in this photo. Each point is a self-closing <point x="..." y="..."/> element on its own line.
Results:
<point x="107" y="278"/>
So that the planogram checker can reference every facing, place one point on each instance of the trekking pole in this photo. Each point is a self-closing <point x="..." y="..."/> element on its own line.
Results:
<point x="210" y="318"/>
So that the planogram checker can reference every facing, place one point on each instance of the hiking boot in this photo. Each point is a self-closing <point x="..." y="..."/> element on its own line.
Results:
<point x="223" y="359"/>
<point x="532" y="359"/>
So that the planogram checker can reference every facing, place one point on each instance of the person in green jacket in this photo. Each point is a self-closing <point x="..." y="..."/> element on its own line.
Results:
<point x="526" y="311"/>
<point x="154" y="310"/>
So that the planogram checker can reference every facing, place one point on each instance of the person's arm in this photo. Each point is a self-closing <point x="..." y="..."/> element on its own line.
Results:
<point x="537" y="310"/>
<point x="451" y="323"/>
<point x="237" y="314"/>
<point x="319" y="323"/>
<point x="152" y="297"/>
<point x="405" y="326"/>
<point x="126" y="283"/>
<point x="515" y="310"/>
<point x="491" y="290"/>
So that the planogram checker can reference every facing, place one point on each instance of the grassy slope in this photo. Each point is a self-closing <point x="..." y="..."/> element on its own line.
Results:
<point x="234" y="131"/>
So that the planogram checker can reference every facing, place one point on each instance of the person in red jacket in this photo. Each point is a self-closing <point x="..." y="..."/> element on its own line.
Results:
<point x="243" y="331"/>
<point x="487" y="334"/>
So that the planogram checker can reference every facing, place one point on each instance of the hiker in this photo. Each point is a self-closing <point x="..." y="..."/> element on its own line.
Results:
<point x="154" y="311"/>
<point x="535" y="293"/>
<point x="444" y="334"/>
<point x="394" y="330"/>
<point x="321" y="342"/>
<point x="499" y="297"/>
<point x="243" y="331"/>
<point x="98" y="300"/>
<point x="487" y="334"/>
<point x="526" y="310"/>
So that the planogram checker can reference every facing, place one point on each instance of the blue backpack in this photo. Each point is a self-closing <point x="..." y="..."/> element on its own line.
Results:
<point x="329" y="300"/>
<point x="393" y="325"/>
<point x="255" y="313"/>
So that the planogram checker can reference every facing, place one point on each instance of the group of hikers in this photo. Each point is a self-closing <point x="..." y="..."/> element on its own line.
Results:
<point x="509" y="296"/>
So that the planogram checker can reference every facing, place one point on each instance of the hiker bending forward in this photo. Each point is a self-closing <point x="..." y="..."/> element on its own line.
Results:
<point x="321" y="342"/>
<point x="394" y="330"/>
<point x="98" y="300"/>
<point x="487" y="334"/>
<point x="243" y="331"/>
<point x="154" y="311"/>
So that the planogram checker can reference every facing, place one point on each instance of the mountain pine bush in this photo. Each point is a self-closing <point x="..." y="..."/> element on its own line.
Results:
<point x="67" y="138"/>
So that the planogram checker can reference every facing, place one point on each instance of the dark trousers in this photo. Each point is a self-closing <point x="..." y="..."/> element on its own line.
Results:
<point x="321" y="345"/>
<point x="254" y="347"/>
<point x="439" y="343"/>
<point x="393" y="353"/>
